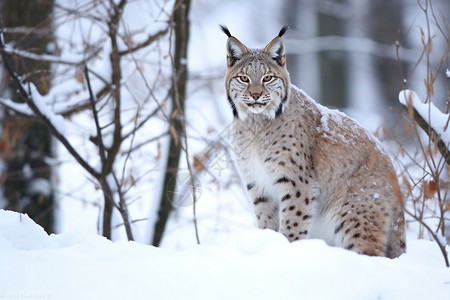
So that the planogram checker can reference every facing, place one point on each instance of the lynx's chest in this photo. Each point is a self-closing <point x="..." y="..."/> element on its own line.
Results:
<point x="249" y="143"/>
<point x="263" y="153"/>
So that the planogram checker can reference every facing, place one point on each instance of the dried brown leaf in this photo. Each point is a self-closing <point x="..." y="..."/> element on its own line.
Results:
<point x="198" y="164"/>
<point x="401" y="151"/>
<point x="79" y="77"/>
<point x="385" y="130"/>
<point x="422" y="36"/>
<point x="430" y="46"/>
<point x="429" y="87"/>
<point x="429" y="189"/>
<point x="200" y="159"/>
<point x="377" y="133"/>
<point x="4" y="148"/>
<point x="407" y="185"/>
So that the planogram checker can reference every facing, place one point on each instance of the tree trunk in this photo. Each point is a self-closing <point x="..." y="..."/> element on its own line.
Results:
<point x="178" y="93"/>
<point x="25" y="143"/>
<point x="332" y="64"/>
<point x="301" y="16"/>
<point x="362" y="82"/>
<point x="385" y="25"/>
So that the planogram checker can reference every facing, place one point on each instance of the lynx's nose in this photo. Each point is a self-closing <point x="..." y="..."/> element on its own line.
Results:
<point x="256" y="96"/>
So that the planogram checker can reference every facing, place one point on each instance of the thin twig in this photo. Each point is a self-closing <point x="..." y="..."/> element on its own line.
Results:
<point x="145" y="43"/>
<point x="92" y="101"/>
<point x="434" y="235"/>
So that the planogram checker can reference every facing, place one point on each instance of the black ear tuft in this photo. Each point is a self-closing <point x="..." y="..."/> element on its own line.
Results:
<point x="275" y="49"/>
<point x="235" y="49"/>
<point x="282" y="31"/>
<point x="225" y="30"/>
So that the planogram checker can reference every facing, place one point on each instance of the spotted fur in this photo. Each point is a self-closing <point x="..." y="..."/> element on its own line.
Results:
<point x="311" y="172"/>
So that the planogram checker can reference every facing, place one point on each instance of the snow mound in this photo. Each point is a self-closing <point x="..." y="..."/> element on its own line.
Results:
<point x="254" y="264"/>
<point x="18" y="231"/>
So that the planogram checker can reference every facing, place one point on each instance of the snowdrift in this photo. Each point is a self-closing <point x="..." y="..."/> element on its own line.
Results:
<point x="253" y="264"/>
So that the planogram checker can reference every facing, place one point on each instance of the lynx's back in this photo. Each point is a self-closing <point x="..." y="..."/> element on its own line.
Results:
<point x="310" y="172"/>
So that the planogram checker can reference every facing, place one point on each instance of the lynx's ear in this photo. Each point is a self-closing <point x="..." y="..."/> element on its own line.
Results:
<point x="235" y="49"/>
<point x="275" y="49"/>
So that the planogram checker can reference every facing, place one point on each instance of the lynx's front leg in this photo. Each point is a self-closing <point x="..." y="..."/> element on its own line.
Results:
<point x="296" y="206"/>
<point x="266" y="210"/>
<point x="294" y="180"/>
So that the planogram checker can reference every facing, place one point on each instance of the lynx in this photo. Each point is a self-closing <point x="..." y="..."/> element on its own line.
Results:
<point x="311" y="172"/>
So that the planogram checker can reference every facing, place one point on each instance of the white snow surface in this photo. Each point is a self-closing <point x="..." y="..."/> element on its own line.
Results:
<point x="253" y="264"/>
<point x="430" y="113"/>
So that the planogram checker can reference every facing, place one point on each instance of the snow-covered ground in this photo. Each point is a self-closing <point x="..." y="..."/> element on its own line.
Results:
<point x="253" y="264"/>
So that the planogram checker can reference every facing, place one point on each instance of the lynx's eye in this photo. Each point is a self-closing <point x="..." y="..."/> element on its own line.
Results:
<point x="267" y="78"/>
<point x="244" y="78"/>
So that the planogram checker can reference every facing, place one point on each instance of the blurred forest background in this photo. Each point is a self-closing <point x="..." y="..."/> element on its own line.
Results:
<point x="116" y="119"/>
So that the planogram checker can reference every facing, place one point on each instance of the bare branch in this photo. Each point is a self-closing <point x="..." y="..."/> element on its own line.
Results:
<point x="150" y="140"/>
<point x="142" y="123"/>
<point x="145" y="43"/>
<point x="116" y="81"/>
<point x="433" y="234"/>
<point x="122" y="208"/>
<point x="101" y="147"/>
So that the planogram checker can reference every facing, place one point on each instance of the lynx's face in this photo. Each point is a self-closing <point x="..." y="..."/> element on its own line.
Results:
<point x="257" y="81"/>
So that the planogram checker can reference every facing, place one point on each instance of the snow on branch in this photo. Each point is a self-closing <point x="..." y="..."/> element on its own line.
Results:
<point x="27" y="30"/>
<point x="19" y="108"/>
<point x="434" y="122"/>
<point x="72" y="60"/>
<point x="38" y="107"/>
